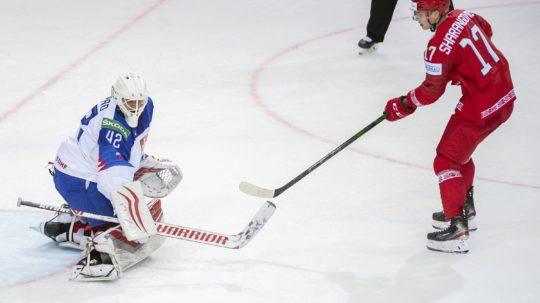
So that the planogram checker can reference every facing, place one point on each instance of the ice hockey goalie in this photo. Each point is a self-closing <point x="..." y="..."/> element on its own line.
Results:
<point x="102" y="169"/>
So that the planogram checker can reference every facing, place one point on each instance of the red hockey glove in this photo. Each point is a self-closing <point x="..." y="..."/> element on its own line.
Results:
<point x="398" y="108"/>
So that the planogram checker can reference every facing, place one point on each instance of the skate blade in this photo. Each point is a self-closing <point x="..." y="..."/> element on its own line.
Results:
<point x="71" y="245"/>
<point x="40" y="229"/>
<point x="367" y="51"/>
<point x="444" y="225"/>
<point x="460" y="246"/>
<point x="106" y="273"/>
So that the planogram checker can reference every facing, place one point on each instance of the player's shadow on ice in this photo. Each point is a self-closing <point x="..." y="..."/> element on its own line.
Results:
<point x="425" y="277"/>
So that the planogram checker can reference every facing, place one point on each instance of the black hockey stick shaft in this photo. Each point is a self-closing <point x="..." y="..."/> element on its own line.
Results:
<point x="364" y="130"/>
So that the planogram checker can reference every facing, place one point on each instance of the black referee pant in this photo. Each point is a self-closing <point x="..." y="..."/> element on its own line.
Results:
<point x="380" y="16"/>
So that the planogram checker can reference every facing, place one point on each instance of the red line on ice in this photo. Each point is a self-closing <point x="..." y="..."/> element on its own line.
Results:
<point x="78" y="62"/>
<point x="59" y="76"/>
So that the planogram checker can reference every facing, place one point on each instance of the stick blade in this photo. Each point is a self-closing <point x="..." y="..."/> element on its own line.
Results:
<point x="255" y="225"/>
<point x="256" y="191"/>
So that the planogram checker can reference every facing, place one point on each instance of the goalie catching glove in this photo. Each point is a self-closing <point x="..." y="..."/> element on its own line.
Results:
<point x="158" y="177"/>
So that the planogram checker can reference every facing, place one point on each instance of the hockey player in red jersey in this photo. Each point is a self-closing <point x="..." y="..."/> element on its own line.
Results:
<point x="460" y="52"/>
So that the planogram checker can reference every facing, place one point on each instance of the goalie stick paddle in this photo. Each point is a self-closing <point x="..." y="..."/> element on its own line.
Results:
<point x="262" y="192"/>
<point x="233" y="241"/>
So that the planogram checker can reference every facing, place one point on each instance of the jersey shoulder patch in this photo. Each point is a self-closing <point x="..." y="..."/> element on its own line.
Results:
<point x="434" y="69"/>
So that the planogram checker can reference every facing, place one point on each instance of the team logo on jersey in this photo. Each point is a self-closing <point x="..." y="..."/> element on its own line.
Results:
<point x="434" y="69"/>
<point x="116" y="126"/>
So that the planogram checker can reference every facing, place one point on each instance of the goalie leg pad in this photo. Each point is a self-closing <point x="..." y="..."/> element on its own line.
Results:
<point x="110" y="254"/>
<point x="133" y="214"/>
<point x="129" y="253"/>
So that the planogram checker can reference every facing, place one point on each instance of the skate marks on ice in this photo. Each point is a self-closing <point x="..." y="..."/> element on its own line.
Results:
<point x="26" y="255"/>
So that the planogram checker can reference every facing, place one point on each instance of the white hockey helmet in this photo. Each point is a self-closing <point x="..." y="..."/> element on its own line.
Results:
<point x="131" y="94"/>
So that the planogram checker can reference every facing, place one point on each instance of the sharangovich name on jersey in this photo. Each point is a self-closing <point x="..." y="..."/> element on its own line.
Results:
<point x="454" y="31"/>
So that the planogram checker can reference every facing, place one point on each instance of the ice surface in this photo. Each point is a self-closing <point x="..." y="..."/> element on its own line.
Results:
<point x="258" y="91"/>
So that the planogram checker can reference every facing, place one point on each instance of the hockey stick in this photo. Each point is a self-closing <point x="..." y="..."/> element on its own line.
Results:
<point x="234" y="241"/>
<point x="261" y="192"/>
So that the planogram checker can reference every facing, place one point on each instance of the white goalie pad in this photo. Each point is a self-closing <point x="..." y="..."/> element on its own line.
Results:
<point x="91" y="270"/>
<point x="159" y="177"/>
<point x="128" y="254"/>
<point x="133" y="213"/>
<point x="122" y="253"/>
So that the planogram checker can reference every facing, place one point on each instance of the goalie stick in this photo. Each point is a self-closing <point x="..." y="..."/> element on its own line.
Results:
<point x="261" y="192"/>
<point x="234" y="241"/>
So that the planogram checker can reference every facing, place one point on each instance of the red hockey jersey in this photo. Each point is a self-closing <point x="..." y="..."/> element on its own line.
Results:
<point x="461" y="51"/>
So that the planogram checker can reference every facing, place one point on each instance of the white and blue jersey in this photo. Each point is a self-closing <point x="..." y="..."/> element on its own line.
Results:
<point x="102" y="155"/>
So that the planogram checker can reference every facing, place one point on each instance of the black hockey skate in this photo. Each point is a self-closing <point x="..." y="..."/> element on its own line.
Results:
<point x="440" y="222"/>
<point x="453" y="239"/>
<point x="95" y="266"/>
<point x="64" y="229"/>
<point x="366" y="45"/>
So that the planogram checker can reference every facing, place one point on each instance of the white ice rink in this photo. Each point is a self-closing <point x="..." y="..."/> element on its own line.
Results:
<point x="259" y="91"/>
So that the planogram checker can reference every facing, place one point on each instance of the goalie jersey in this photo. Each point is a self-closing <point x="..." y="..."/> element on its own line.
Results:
<point x="105" y="149"/>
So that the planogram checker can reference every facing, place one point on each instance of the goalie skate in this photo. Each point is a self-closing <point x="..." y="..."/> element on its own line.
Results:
<point x="95" y="266"/>
<point x="65" y="229"/>
<point x="109" y="253"/>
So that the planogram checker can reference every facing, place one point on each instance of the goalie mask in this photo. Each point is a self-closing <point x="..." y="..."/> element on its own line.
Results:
<point x="131" y="94"/>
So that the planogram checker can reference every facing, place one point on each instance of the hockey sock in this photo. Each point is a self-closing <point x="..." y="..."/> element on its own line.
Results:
<point x="467" y="170"/>
<point x="451" y="185"/>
